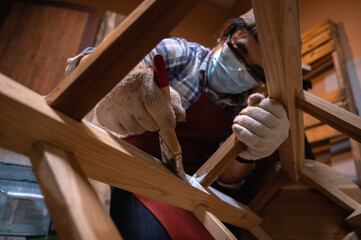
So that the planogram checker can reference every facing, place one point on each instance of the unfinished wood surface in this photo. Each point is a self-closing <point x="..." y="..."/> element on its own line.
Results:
<point x="316" y="41"/>
<point x="150" y="22"/>
<point x="214" y="226"/>
<point x="74" y="206"/>
<point x="258" y="232"/>
<point x="355" y="218"/>
<point x="313" y="32"/>
<point x="219" y="161"/>
<point x="338" y="118"/>
<point x="25" y="118"/>
<point x="321" y="133"/>
<point x="321" y="51"/>
<point x="344" y="81"/>
<point x="268" y="191"/>
<point x="279" y="37"/>
<point x="333" y="193"/>
<point x="318" y="68"/>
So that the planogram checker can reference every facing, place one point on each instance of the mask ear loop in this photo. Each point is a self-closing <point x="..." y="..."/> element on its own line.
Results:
<point x="230" y="45"/>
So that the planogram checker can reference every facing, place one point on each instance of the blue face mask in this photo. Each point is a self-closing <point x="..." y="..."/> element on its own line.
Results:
<point x="226" y="74"/>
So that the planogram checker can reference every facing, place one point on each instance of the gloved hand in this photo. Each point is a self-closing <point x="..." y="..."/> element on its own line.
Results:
<point x="262" y="127"/>
<point x="137" y="105"/>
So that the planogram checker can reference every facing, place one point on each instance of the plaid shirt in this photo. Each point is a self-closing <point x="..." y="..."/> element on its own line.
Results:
<point x="186" y="64"/>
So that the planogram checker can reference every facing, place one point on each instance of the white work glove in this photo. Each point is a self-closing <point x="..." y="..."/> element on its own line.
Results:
<point x="262" y="127"/>
<point x="137" y="105"/>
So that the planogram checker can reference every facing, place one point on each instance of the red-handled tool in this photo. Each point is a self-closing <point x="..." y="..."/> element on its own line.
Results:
<point x="170" y="149"/>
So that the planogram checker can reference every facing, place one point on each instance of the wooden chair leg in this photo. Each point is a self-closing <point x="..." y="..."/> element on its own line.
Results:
<point x="74" y="206"/>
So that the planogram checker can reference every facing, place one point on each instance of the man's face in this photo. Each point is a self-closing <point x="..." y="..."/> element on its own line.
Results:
<point x="246" y="49"/>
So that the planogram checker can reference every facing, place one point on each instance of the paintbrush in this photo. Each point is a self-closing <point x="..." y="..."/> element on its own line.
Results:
<point x="171" y="151"/>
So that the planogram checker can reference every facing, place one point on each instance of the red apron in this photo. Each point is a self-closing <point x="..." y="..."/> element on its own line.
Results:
<point x="205" y="127"/>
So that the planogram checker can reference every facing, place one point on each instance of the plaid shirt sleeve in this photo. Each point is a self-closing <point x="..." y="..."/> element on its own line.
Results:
<point x="183" y="60"/>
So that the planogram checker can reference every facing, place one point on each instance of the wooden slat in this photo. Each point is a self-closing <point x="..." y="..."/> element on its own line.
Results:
<point x="323" y="50"/>
<point x="267" y="192"/>
<point x="259" y="233"/>
<point x="307" y="36"/>
<point x="321" y="133"/>
<point x="219" y="161"/>
<point x="355" y="218"/>
<point x="336" y="117"/>
<point x="25" y="118"/>
<point x="318" y="68"/>
<point x="279" y="38"/>
<point x="215" y="227"/>
<point x="316" y="41"/>
<point x="150" y="22"/>
<point x="330" y="191"/>
<point x="334" y="96"/>
<point x="74" y="206"/>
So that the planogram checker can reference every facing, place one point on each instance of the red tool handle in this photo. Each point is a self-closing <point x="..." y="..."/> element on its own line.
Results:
<point x="161" y="75"/>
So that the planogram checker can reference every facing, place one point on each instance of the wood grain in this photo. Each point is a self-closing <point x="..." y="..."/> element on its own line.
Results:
<point x="26" y="118"/>
<point x="215" y="227"/>
<point x="117" y="55"/>
<point x="355" y="217"/>
<point x="330" y="191"/>
<point x="338" y="118"/>
<point x="74" y="206"/>
<point x="278" y="30"/>
<point x="219" y="161"/>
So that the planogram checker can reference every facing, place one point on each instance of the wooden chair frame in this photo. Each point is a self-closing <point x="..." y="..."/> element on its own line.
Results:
<point x="65" y="150"/>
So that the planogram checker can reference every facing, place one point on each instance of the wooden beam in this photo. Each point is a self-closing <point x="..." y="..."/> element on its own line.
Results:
<point x="316" y="41"/>
<point x="307" y="36"/>
<point x="150" y="22"/>
<point x="321" y="133"/>
<point x="74" y="206"/>
<point x="219" y="161"/>
<point x="330" y="191"/>
<point x="26" y="118"/>
<point x="279" y="37"/>
<point x="338" y="118"/>
<point x="355" y="218"/>
<point x="215" y="227"/>
<point x="258" y="232"/>
<point x="321" y="51"/>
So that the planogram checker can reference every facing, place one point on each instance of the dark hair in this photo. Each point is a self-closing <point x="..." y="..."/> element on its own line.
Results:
<point x="230" y="27"/>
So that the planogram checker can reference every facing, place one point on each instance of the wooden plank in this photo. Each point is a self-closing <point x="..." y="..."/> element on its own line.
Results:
<point x="322" y="51"/>
<point x="215" y="227"/>
<point x="355" y="218"/>
<point x="316" y="41"/>
<point x="315" y="31"/>
<point x="267" y="192"/>
<point x="338" y="118"/>
<point x="334" y="96"/>
<point x="25" y="118"/>
<point x="318" y="68"/>
<point x="117" y="55"/>
<point x="259" y="233"/>
<point x="69" y="196"/>
<point x="219" y="161"/>
<point x="321" y="133"/>
<point x="279" y="37"/>
<point x="330" y="191"/>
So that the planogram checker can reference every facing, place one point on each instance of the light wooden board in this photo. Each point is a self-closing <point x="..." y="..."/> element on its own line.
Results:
<point x="219" y="161"/>
<point x="215" y="227"/>
<point x="74" y="206"/>
<point x="313" y="32"/>
<point x="150" y="22"/>
<point x="25" y="118"/>
<point x="333" y="193"/>
<point x="278" y="30"/>
<point x="336" y="117"/>
<point x="316" y="41"/>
